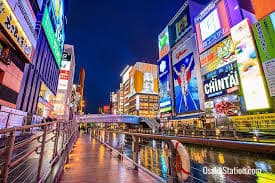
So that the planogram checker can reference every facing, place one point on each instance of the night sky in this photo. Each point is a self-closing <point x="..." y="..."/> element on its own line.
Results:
<point x="109" y="34"/>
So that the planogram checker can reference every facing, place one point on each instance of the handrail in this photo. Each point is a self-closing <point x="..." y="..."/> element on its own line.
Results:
<point x="54" y="133"/>
<point x="136" y="164"/>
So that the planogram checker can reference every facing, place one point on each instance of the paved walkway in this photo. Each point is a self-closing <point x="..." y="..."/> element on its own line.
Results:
<point x="92" y="162"/>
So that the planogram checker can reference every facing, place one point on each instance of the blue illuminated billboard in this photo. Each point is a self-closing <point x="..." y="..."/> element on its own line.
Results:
<point x="165" y="103"/>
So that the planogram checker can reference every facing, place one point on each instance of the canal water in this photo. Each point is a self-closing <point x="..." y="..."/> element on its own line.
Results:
<point x="203" y="159"/>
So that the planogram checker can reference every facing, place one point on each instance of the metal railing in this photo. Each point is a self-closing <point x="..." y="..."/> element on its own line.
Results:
<point x="206" y="133"/>
<point x="29" y="153"/>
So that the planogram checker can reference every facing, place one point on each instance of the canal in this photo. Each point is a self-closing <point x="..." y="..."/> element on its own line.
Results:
<point x="202" y="158"/>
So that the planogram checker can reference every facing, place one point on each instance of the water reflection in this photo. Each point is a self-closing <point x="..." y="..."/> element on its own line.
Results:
<point x="152" y="157"/>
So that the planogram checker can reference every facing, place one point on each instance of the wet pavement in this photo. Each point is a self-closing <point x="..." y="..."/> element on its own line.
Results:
<point x="92" y="162"/>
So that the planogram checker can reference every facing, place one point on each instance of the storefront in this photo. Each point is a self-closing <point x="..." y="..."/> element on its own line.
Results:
<point x="45" y="102"/>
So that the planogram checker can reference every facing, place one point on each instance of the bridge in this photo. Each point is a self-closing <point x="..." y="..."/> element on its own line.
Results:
<point x="114" y="118"/>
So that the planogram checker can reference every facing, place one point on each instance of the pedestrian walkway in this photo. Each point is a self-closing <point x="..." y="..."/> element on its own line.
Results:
<point x="92" y="162"/>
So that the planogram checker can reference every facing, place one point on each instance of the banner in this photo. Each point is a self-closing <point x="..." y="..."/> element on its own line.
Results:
<point x="253" y="118"/>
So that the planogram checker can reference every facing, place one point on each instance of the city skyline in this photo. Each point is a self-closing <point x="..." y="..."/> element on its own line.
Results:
<point x="121" y="36"/>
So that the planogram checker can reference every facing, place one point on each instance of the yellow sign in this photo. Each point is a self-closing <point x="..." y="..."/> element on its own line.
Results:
<point x="252" y="118"/>
<point x="11" y="25"/>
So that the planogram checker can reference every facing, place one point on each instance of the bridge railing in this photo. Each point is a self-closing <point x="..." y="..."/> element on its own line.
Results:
<point x="29" y="153"/>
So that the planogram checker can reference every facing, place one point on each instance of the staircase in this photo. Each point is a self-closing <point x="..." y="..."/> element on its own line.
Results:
<point x="151" y="122"/>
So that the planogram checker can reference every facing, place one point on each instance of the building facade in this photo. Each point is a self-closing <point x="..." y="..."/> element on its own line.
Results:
<point x="65" y="83"/>
<point x="16" y="50"/>
<point x="40" y="80"/>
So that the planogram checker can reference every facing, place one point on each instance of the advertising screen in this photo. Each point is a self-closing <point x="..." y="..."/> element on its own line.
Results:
<point x="255" y="95"/>
<point x="214" y="22"/>
<point x="217" y="56"/>
<point x="180" y="25"/>
<point x="51" y="37"/>
<point x="221" y="81"/>
<point x="186" y="96"/>
<point x="227" y="106"/>
<point x="165" y="103"/>
<point x="163" y="40"/>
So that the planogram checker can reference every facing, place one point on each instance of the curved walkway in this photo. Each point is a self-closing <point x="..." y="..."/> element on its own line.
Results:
<point x="92" y="162"/>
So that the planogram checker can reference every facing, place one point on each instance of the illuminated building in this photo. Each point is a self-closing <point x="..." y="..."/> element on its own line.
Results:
<point x="40" y="80"/>
<point x="65" y="83"/>
<point x="75" y="99"/>
<point x="81" y="89"/>
<point x="141" y="90"/>
<point x="120" y="99"/>
<point x="13" y="54"/>
<point x="125" y="88"/>
<point x="114" y="102"/>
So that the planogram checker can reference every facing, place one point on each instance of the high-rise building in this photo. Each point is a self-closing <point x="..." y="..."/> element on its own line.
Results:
<point x="140" y="90"/>
<point x="81" y="89"/>
<point x="114" y="102"/>
<point x="65" y="84"/>
<point x="40" y="79"/>
<point x="120" y="99"/>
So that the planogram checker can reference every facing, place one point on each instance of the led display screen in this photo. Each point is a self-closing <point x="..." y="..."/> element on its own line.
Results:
<point x="253" y="88"/>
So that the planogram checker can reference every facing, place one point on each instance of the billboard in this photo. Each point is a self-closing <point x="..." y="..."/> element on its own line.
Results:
<point x="143" y="79"/>
<point x="165" y="103"/>
<point x="214" y="22"/>
<point x="58" y="12"/>
<point x="227" y="106"/>
<point x="253" y="88"/>
<point x="221" y="81"/>
<point x="217" y="56"/>
<point x="263" y="8"/>
<point x="12" y="27"/>
<point x="186" y="97"/>
<point x="163" y="40"/>
<point x="52" y="39"/>
<point x="64" y="71"/>
<point x="180" y="25"/>
<point x="264" y="33"/>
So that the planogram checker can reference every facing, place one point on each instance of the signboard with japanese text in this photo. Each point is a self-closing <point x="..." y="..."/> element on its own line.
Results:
<point x="163" y="40"/>
<point x="11" y="25"/>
